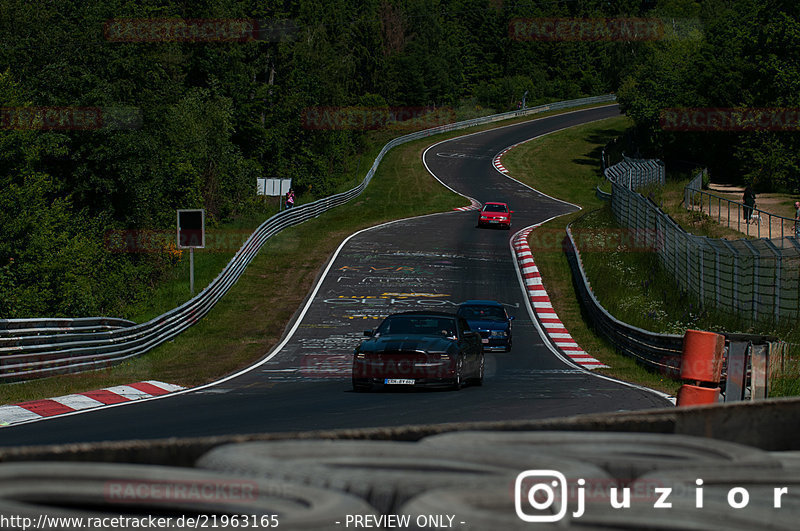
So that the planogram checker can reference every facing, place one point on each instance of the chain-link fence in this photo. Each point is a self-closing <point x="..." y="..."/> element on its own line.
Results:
<point x="636" y="173"/>
<point x="757" y="279"/>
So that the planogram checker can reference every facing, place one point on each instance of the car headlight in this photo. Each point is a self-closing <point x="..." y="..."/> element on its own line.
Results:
<point x="499" y="333"/>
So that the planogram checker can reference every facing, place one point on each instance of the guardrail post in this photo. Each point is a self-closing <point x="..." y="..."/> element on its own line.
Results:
<point x="736" y="380"/>
<point x="759" y="380"/>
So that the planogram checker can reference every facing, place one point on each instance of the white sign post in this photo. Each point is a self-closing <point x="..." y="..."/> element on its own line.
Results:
<point x="273" y="188"/>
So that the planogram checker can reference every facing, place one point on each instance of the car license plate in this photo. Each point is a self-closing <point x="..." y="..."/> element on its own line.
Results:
<point x="484" y="340"/>
<point x="398" y="381"/>
<point x="495" y="221"/>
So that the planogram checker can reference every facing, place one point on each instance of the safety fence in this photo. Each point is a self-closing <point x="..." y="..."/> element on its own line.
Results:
<point x="636" y="173"/>
<point x="757" y="279"/>
<point x="750" y="359"/>
<point x="75" y="349"/>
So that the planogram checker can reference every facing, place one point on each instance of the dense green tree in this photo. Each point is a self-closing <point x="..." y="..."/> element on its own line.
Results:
<point x="742" y="54"/>
<point x="193" y="124"/>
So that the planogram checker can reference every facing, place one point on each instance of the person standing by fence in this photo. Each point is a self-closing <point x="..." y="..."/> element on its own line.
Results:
<point x="290" y="199"/>
<point x="749" y="200"/>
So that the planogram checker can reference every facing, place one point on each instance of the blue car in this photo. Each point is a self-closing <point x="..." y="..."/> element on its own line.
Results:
<point x="491" y="320"/>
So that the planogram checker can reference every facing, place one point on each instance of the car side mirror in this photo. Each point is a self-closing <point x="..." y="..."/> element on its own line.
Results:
<point x="369" y="333"/>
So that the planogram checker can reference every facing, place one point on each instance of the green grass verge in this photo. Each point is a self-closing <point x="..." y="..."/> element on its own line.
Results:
<point x="566" y="165"/>
<point x="252" y="317"/>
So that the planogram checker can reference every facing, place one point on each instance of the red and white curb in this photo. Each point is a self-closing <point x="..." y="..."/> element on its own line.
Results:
<point x="474" y="205"/>
<point x="541" y="304"/>
<point x="36" y="409"/>
<point x="497" y="162"/>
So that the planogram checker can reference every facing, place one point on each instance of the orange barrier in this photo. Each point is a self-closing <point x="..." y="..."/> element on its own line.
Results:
<point x="693" y="395"/>
<point x="701" y="362"/>
<point x="702" y="356"/>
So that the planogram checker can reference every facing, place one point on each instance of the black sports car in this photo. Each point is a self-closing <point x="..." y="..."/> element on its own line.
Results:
<point x="419" y="348"/>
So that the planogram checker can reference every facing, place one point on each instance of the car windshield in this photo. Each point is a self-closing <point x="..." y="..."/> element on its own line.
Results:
<point x="418" y="324"/>
<point x="495" y="208"/>
<point x="482" y="313"/>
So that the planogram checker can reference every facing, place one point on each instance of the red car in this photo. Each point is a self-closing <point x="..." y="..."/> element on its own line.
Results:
<point x="495" y="214"/>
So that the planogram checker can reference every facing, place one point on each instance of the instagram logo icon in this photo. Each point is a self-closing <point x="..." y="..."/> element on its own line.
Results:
<point x="540" y="496"/>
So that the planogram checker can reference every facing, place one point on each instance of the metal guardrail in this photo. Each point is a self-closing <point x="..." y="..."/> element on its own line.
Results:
<point x="77" y="350"/>
<point x="21" y="327"/>
<point x="661" y="352"/>
<point x="602" y="195"/>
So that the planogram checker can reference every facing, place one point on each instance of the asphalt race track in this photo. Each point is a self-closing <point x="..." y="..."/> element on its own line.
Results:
<point x="431" y="262"/>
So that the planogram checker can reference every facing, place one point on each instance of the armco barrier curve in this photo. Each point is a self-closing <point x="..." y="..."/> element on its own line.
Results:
<point x="52" y="354"/>
<point x="661" y="352"/>
<point x="17" y="328"/>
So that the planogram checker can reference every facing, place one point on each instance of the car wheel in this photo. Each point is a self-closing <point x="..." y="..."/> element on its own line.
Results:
<point x="508" y="345"/>
<point x="458" y="380"/>
<point x="481" y="366"/>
